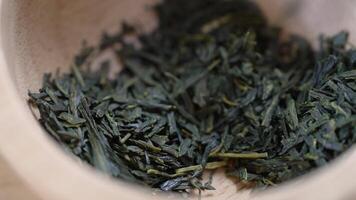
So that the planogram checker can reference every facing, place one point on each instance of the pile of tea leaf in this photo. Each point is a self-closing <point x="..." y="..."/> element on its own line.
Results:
<point x="214" y="86"/>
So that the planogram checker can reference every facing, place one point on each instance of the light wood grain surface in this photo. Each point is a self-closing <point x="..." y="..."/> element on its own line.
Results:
<point x="11" y="187"/>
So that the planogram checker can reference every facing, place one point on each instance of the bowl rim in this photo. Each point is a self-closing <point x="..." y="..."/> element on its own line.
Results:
<point x="47" y="167"/>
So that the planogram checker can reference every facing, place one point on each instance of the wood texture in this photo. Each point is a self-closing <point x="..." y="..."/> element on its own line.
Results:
<point x="11" y="187"/>
<point x="40" y="36"/>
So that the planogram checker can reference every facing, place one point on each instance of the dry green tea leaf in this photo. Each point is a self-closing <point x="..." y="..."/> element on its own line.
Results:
<point x="219" y="88"/>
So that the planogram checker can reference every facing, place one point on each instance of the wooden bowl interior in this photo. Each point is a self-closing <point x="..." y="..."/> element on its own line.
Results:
<point x="43" y="36"/>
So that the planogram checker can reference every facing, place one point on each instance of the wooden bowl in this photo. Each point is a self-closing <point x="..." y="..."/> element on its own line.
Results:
<point x="39" y="36"/>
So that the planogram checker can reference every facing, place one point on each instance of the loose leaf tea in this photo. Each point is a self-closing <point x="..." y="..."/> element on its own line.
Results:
<point x="219" y="88"/>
